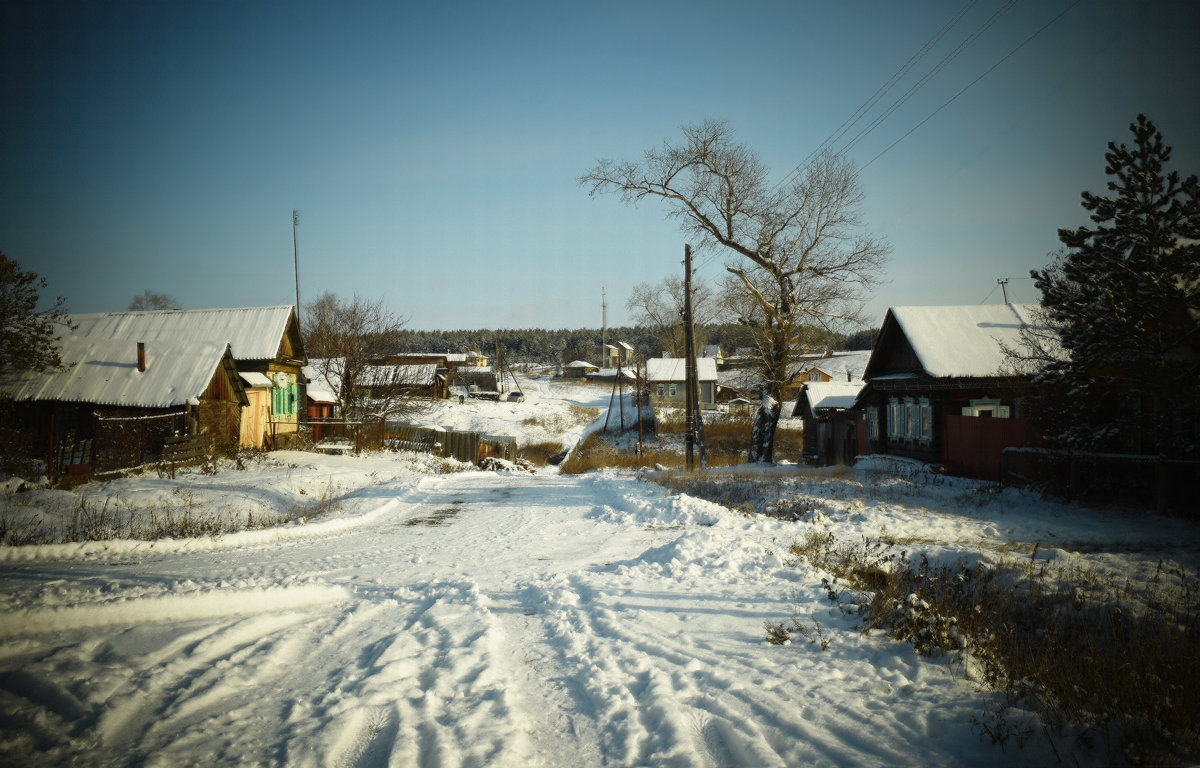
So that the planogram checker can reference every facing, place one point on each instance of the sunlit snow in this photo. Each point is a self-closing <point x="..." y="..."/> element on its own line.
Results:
<point x="498" y="619"/>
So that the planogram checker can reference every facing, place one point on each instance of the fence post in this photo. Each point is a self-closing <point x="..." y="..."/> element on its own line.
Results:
<point x="1161" y="477"/>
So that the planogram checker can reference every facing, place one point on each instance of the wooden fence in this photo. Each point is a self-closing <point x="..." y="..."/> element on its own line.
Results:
<point x="116" y="442"/>
<point x="471" y="447"/>
<point x="1150" y="482"/>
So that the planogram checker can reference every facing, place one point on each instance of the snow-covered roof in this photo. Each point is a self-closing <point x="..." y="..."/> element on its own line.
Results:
<point x="837" y="365"/>
<point x="710" y="350"/>
<point x="105" y="372"/>
<point x="832" y="394"/>
<point x="253" y="333"/>
<point x="626" y="373"/>
<point x="964" y="341"/>
<point x="416" y="374"/>
<point x="675" y="369"/>
<point x="324" y="379"/>
<point x="255" y="379"/>
<point x="741" y="379"/>
<point x="580" y="364"/>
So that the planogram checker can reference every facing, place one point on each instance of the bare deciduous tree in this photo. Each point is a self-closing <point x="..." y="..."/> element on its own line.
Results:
<point x="151" y="300"/>
<point x="345" y="341"/>
<point x="801" y="255"/>
<point x="658" y="306"/>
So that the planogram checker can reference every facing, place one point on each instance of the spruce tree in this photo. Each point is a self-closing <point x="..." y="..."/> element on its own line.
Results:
<point x="1123" y="295"/>
<point x="28" y="335"/>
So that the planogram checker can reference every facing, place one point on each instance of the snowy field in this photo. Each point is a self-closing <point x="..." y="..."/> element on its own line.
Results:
<point x="408" y="616"/>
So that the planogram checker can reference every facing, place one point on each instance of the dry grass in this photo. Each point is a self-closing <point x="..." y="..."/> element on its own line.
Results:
<point x="1078" y="650"/>
<point x="541" y="453"/>
<point x="596" y="452"/>
<point x="1118" y="663"/>
<point x="726" y="443"/>
<point x="181" y="516"/>
<point x="575" y="416"/>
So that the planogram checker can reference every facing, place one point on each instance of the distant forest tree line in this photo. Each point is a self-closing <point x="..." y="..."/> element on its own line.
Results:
<point x="540" y="345"/>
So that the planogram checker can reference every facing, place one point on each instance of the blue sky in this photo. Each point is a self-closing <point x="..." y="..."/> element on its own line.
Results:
<point x="433" y="149"/>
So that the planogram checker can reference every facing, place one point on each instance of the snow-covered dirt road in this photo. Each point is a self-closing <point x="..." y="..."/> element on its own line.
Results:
<point x="471" y="619"/>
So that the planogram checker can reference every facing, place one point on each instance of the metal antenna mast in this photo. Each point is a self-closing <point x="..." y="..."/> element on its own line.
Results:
<point x="296" y="257"/>
<point x="603" y="321"/>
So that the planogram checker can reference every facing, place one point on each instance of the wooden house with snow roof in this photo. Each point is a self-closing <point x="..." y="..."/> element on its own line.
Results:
<point x="266" y="345"/>
<point x="826" y="409"/>
<point x="941" y="388"/>
<point x="619" y="355"/>
<point x="116" y="403"/>
<point x="579" y="369"/>
<point x="667" y="379"/>
<point x="143" y="366"/>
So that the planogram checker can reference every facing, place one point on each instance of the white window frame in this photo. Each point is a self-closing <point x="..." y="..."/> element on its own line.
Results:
<point x="925" y="420"/>
<point x="989" y="405"/>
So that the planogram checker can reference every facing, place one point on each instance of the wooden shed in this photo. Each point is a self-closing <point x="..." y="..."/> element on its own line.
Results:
<point x="115" y="403"/>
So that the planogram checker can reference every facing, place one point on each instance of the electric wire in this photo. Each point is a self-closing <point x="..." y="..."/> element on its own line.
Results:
<point x="883" y="90"/>
<point x="941" y="65"/>
<point x="965" y="88"/>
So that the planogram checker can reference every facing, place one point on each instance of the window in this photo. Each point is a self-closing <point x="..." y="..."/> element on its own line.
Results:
<point x="672" y="389"/>
<point x="814" y="375"/>
<point x="284" y="395"/>
<point x="872" y="423"/>
<point x="909" y="419"/>
<point x="987" y="407"/>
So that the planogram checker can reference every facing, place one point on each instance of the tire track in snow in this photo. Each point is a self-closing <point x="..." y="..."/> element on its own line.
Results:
<point x="462" y="644"/>
<point x="431" y="693"/>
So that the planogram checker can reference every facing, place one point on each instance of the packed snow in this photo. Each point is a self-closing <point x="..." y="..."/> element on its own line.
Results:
<point x="408" y="614"/>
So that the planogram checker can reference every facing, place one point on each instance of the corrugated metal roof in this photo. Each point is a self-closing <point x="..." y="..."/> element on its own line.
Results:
<point x="104" y="372"/>
<point x="253" y="333"/>
<point x="387" y="375"/>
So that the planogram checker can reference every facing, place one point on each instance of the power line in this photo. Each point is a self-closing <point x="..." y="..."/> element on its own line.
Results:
<point x="937" y="68"/>
<point x="964" y="89"/>
<point x="883" y="90"/>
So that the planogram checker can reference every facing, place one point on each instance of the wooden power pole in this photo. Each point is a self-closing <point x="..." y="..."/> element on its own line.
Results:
<point x="692" y="398"/>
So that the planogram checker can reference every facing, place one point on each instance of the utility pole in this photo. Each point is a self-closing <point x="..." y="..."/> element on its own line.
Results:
<point x="690" y="365"/>
<point x="637" y="387"/>
<point x="296" y="257"/>
<point x="1003" y="283"/>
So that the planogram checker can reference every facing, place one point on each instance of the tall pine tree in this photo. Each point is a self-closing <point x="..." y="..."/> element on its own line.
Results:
<point x="1124" y="295"/>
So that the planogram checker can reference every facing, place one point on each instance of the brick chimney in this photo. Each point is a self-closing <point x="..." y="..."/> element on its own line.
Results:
<point x="141" y="355"/>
